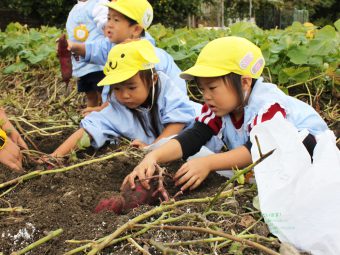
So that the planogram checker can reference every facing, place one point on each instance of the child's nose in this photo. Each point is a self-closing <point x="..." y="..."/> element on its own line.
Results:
<point x="125" y="94"/>
<point x="206" y="95"/>
<point x="109" y="24"/>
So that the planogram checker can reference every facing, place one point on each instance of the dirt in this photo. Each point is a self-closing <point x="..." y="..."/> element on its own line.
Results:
<point x="67" y="200"/>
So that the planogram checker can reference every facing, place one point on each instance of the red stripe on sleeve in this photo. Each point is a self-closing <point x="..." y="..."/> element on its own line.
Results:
<point x="275" y="108"/>
<point x="209" y="118"/>
<point x="268" y="115"/>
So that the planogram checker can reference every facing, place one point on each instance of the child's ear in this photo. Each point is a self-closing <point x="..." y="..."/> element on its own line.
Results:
<point x="246" y="82"/>
<point x="137" y="31"/>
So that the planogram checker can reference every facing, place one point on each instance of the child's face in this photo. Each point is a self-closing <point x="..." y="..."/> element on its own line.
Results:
<point x="118" y="27"/>
<point x="132" y="93"/>
<point x="220" y="96"/>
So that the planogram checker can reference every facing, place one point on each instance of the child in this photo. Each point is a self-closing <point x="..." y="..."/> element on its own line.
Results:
<point x="146" y="105"/>
<point x="10" y="144"/>
<point x="86" y="22"/>
<point x="236" y="98"/>
<point x="127" y="19"/>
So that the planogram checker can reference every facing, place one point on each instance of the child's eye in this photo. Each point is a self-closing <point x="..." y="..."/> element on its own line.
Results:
<point x="116" y="88"/>
<point x="132" y="88"/>
<point x="212" y="88"/>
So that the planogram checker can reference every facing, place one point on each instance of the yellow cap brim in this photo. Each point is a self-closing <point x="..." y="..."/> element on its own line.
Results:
<point x="202" y="71"/>
<point x="117" y="77"/>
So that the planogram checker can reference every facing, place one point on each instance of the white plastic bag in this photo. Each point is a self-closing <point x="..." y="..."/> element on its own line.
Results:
<point x="300" y="200"/>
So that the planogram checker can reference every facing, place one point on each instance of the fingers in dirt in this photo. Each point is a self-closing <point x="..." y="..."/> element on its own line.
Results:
<point x="190" y="183"/>
<point x="180" y="172"/>
<point x="142" y="177"/>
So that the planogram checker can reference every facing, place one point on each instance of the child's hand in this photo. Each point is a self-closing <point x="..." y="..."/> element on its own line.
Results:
<point x="16" y="138"/>
<point x="11" y="156"/>
<point x="69" y="45"/>
<point x="144" y="170"/>
<point x="138" y="144"/>
<point x="192" y="173"/>
<point x="88" y="110"/>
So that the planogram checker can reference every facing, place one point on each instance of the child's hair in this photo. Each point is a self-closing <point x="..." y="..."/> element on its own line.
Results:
<point x="133" y="22"/>
<point x="235" y="80"/>
<point x="147" y="77"/>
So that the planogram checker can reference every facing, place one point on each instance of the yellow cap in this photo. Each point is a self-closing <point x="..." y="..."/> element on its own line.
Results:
<point x="138" y="10"/>
<point x="3" y="138"/>
<point x="227" y="55"/>
<point x="126" y="59"/>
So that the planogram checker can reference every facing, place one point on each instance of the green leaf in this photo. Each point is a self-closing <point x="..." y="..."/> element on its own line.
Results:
<point x="73" y="156"/>
<point x="315" y="61"/>
<point x="284" y="89"/>
<point x="326" y="33"/>
<point x="297" y="27"/>
<point x="298" y="74"/>
<point x="13" y="27"/>
<point x="256" y="203"/>
<point x="236" y="248"/>
<point x="179" y="55"/>
<point x="277" y="48"/>
<point x="14" y="68"/>
<point x="243" y="29"/>
<point x="84" y="142"/>
<point x="298" y="55"/>
<point x="337" y="24"/>
<point x="322" y="47"/>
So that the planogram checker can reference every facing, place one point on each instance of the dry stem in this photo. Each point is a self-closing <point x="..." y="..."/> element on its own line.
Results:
<point x="218" y="233"/>
<point x="39" y="242"/>
<point x="60" y="170"/>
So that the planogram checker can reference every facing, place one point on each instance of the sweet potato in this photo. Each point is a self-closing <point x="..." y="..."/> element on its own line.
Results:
<point x="129" y="199"/>
<point x="65" y="61"/>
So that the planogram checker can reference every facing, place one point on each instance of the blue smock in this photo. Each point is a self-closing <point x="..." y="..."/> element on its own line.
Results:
<point x="93" y="15"/>
<point x="117" y="120"/>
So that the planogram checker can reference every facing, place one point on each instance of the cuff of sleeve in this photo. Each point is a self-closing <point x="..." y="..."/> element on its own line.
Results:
<point x="191" y="140"/>
<point x="248" y="145"/>
<point x="98" y="139"/>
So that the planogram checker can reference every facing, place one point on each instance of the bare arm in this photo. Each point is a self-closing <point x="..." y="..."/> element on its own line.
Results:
<point x="70" y="144"/>
<point x="239" y="157"/>
<point x="88" y="110"/>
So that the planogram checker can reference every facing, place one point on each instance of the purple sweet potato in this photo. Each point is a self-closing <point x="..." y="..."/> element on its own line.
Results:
<point x="65" y="61"/>
<point x="129" y="199"/>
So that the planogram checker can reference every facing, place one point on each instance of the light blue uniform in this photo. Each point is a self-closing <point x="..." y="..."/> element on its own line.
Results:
<point x="117" y="120"/>
<point x="263" y="95"/>
<point x="97" y="52"/>
<point x="93" y="15"/>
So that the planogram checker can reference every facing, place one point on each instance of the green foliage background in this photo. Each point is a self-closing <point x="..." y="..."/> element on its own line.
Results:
<point x="290" y="56"/>
<point x="174" y="13"/>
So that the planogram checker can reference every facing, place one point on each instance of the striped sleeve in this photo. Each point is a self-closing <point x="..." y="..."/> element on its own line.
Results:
<point x="209" y="118"/>
<point x="274" y="109"/>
